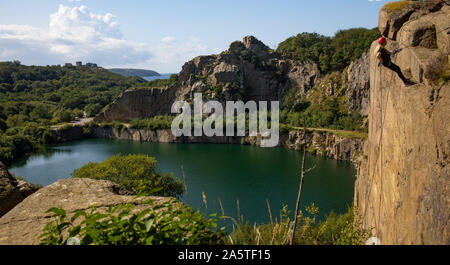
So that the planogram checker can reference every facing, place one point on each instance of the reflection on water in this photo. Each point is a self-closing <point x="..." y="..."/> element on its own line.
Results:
<point x="249" y="174"/>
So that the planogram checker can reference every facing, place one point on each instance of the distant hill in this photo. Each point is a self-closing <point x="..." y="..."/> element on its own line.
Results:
<point x="134" y="72"/>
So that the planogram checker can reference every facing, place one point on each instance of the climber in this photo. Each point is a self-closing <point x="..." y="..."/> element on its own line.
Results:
<point x="385" y="59"/>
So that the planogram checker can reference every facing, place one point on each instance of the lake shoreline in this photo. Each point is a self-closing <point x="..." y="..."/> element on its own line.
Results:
<point x="324" y="144"/>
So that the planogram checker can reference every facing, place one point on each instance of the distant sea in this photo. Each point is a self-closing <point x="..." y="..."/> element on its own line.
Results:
<point x="162" y="76"/>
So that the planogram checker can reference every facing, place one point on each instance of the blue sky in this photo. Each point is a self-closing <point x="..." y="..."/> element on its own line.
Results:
<point x="162" y="35"/>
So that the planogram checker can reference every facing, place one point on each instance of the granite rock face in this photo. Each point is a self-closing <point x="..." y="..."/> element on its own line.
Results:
<point x="402" y="188"/>
<point x="12" y="191"/>
<point x="327" y="145"/>
<point x="394" y="15"/>
<point x="23" y="224"/>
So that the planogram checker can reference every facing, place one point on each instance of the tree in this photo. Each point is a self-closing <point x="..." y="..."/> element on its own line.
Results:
<point x="64" y="116"/>
<point x="3" y="125"/>
<point x="92" y="109"/>
<point x="136" y="173"/>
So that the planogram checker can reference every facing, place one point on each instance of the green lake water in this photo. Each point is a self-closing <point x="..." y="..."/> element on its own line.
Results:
<point x="250" y="175"/>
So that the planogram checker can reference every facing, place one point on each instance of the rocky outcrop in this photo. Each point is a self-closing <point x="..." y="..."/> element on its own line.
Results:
<point x="352" y="82"/>
<point x="12" y="191"/>
<point x="402" y="188"/>
<point x="248" y="70"/>
<point x="160" y="136"/>
<point x="394" y="15"/>
<point x="356" y="80"/>
<point x="23" y="224"/>
<point x="134" y="104"/>
<point x="327" y="145"/>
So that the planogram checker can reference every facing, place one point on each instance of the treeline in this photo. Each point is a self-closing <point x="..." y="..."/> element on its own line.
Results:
<point x="330" y="53"/>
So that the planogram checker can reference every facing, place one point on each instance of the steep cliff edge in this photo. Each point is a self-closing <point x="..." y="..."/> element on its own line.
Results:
<point x="403" y="183"/>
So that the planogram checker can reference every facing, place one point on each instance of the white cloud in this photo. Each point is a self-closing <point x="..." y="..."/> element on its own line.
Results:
<point x="78" y="34"/>
<point x="168" y="39"/>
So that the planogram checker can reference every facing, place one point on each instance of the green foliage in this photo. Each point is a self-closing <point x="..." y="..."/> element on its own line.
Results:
<point x="154" y="123"/>
<point x="14" y="146"/>
<point x="306" y="47"/>
<point x="169" y="223"/>
<point x="118" y="126"/>
<point x="331" y="54"/>
<point x="69" y="88"/>
<point x="343" y="229"/>
<point x="330" y="113"/>
<point x="336" y="229"/>
<point x="32" y="98"/>
<point x="92" y="109"/>
<point x="136" y="173"/>
<point x="274" y="233"/>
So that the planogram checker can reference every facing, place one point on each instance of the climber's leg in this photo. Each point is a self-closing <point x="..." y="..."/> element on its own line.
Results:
<point x="397" y="69"/>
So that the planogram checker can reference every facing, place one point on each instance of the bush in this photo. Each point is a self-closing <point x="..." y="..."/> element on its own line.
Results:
<point x="136" y="173"/>
<point x="330" y="113"/>
<point x="64" y="116"/>
<point x="163" y="224"/>
<point x="154" y="123"/>
<point x="343" y="229"/>
<point x="3" y="125"/>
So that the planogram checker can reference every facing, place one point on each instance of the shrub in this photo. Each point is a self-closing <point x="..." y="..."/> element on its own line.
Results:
<point x="160" y="224"/>
<point x="136" y="173"/>
<point x="154" y="123"/>
<point x="343" y="229"/>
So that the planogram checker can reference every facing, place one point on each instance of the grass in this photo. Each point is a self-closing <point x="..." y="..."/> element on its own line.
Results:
<point x="341" y="133"/>
<point x="336" y="229"/>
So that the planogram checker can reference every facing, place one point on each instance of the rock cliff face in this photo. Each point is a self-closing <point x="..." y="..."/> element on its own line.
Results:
<point x="134" y="104"/>
<point x="327" y="144"/>
<point x="23" y="224"/>
<point x="248" y="70"/>
<point x="402" y="185"/>
<point x="12" y="191"/>
<point x="352" y="82"/>
<point x="322" y="144"/>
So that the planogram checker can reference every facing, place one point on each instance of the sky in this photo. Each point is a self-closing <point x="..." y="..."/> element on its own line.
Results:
<point x="162" y="35"/>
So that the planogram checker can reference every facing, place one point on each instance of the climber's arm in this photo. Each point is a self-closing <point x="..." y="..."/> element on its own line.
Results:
<point x="379" y="55"/>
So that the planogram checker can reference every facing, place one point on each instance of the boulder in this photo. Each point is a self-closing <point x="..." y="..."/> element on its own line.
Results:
<point x="393" y="15"/>
<point x="23" y="224"/>
<point x="12" y="191"/>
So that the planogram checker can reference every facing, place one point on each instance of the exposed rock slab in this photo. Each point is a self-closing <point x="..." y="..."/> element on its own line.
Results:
<point x="23" y="224"/>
